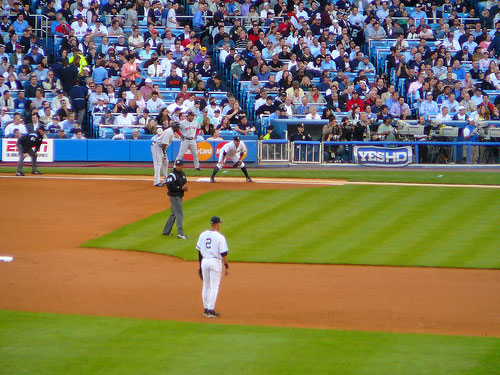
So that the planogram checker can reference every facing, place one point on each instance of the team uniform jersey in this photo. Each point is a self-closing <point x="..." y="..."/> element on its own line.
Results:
<point x="188" y="129"/>
<point x="231" y="150"/>
<point x="211" y="244"/>
<point x="166" y="137"/>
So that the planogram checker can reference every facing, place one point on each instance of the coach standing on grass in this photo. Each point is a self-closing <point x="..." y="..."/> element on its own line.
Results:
<point x="25" y="146"/>
<point x="176" y="184"/>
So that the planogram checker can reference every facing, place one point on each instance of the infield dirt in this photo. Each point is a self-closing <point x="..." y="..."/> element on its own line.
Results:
<point x="44" y="221"/>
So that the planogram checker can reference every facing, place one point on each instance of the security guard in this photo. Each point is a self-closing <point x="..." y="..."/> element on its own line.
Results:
<point x="25" y="146"/>
<point x="176" y="184"/>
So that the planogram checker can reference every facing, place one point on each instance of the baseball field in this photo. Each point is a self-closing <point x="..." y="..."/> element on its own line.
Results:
<point x="327" y="276"/>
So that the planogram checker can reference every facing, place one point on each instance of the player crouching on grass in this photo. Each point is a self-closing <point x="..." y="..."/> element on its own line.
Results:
<point x="235" y="150"/>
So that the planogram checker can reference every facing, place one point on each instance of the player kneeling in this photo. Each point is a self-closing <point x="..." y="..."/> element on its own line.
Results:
<point x="234" y="150"/>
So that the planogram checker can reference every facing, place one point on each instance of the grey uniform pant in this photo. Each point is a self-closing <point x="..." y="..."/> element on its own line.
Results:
<point x="176" y="215"/>
<point x="31" y="153"/>
<point x="160" y="163"/>
<point x="185" y="144"/>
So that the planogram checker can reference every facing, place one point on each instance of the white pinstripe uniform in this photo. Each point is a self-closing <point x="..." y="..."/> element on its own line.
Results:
<point x="211" y="244"/>
<point x="230" y="151"/>
<point x="189" y="130"/>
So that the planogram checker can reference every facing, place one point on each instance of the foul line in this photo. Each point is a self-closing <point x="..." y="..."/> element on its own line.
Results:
<point x="262" y="180"/>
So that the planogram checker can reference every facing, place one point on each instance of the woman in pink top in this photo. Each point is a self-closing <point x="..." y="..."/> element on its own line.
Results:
<point x="130" y="69"/>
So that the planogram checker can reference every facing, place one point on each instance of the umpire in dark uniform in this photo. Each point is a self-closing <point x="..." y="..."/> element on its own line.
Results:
<point x="176" y="184"/>
<point x="25" y="146"/>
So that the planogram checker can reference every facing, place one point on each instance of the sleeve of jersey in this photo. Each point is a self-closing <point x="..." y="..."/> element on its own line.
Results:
<point x="171" y="182"/>
<point x="223" y="250"/>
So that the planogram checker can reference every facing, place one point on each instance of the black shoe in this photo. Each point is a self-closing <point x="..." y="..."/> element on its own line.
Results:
<point x="36" y="172"/>
<point x="159" y="185"/>
<point x="198" y="169"/>
<point x="212" y="179"/>
<point x="212" y="314"/>
<point x="249" y="179"/>
<point x="19" y="174"/>
<point x="205" y="313"/>
<point x="183" y="237"/>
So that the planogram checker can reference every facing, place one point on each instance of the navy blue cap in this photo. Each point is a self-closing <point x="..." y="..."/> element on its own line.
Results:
<point x="215" y="220"/>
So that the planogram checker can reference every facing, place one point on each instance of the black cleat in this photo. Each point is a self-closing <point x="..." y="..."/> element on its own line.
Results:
<point x="19" y="174"/>
<point x="36" y="172"/>
<point x="205" y="313"/>
<point x="198" y="169"/>
<point x="212" y="314"/>
<point x="212" y="179"/>
<point x="249" y="179"/>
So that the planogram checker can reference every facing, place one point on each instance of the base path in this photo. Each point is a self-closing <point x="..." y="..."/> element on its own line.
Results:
<point x="44" y="220"/>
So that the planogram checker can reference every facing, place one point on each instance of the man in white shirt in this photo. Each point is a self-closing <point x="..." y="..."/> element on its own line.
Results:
<point x="443" y="116"/>
<point x="98" y="29"/>
<point x="80" y="27"/>
<point x="212" y="253"/>
<point x="125" y="119"/>
<point x="236" y="151"/>
<point x="172" y="16"/>
<point x="155" y="103"/>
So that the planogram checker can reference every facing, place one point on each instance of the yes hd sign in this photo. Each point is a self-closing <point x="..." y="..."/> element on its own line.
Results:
<point x="383" y="156"/>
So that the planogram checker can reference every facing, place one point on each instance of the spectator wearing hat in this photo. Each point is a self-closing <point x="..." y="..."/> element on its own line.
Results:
<point x="461" y="115"/>
<point x="54" y="125"/>
<point x="79" y="26"/>
<point x="4" y="116"/>
<point x="98" y="29"/>
<point x="63" y="28"/>
<point x="58" y="99"/>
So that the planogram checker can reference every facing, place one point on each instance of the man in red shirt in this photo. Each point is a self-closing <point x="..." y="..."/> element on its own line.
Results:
<point x="355" y="100"/>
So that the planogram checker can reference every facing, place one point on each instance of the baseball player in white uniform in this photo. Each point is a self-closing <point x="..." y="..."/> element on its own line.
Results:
<point x="159" y="153"/>
<point x="188" y="131"/>
<point x="212" y="253"/>
<point x="235" y="150"/>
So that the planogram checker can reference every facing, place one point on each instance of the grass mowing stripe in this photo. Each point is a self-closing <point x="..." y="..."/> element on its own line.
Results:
<point x="376" y="226"/>
<point x="441" y="206"/>
<point x="411" y="214"/>
<point x="473" y="232"/>
<point x="34" y="343"/>
<point x="350" y="224"/>
<point x="446" y="242"/>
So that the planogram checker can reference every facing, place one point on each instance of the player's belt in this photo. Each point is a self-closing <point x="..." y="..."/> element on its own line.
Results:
<point x="189" y="138"/>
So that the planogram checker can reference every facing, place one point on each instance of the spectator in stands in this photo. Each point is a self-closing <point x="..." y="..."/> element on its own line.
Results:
<point x="397" y="109"/>
<point x="32" y="86"/>
<point x="444" y="115"/>
<point x="429" y="106"/>
<point x="313" y="114"/>
<point x="117" y="136"/>
<point x="6" y="100"/>
<point x="155" y="103"/>
<point x="451" y="103"/>
<point x="20" y="24"/>
<point x="20" y="101"/>
<point x="243" y="127"/>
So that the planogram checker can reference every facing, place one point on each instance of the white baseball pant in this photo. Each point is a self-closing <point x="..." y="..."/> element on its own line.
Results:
<point x="160" y="163"/>
<point x="211" y="269"/>
<point x="234" y="159"/>
<point x="191" y="144"/>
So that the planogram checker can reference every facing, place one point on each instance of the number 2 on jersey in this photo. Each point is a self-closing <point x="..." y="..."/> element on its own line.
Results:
<point x="208" y="243"/>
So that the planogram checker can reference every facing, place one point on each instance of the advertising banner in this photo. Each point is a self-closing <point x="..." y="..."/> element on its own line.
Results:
<point x="45" y="154"/>
<point x="373" y="156"/>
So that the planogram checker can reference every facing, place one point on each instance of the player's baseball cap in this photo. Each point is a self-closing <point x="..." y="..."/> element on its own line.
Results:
<point x="215" y="220"/>
<point x="179" y="162"/>
<point x="236" y="138"/>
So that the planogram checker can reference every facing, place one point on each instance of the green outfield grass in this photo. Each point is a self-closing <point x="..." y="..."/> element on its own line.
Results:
<point x="380" y="175"/>
<point x="376" y="225"/>
<point x="35" y="343"/>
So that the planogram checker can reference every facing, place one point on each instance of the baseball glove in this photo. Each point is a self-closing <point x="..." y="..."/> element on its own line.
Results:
<point x="237" y="164"/>
<point x="200" y="274"/>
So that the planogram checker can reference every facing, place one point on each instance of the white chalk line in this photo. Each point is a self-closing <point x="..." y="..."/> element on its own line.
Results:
<point x="262" y="180"/>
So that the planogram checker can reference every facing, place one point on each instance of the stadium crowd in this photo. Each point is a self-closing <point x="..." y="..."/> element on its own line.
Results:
<point x="237" y="64"/>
